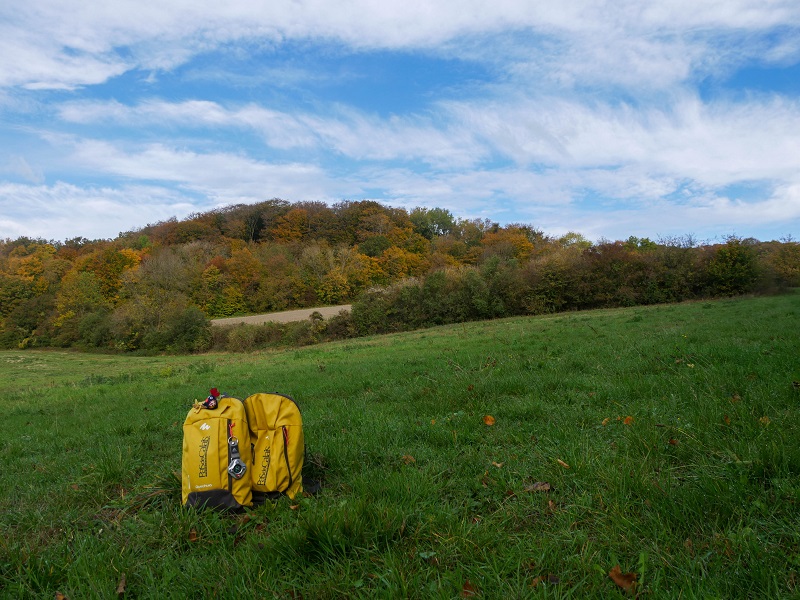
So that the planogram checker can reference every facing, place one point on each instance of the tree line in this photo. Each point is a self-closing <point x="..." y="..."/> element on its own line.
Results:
<point x="154" y="289"/>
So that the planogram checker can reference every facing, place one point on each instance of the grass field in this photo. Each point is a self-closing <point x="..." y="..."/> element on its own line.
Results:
<point x="519" y="458"/>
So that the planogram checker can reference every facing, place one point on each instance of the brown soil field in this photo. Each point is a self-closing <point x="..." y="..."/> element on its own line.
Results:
<point x="286" y="316"/>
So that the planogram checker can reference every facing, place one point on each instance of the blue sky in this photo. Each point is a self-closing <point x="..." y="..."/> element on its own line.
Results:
<point x="612" y="119"/>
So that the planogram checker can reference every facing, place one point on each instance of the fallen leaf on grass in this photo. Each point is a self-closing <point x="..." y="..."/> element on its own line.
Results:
<point x="727" y="420"/>
<point x="627" y="581"/>
<point x="673" y="442"/>
<point x="123" y="583"/>
<point x="606" y="421"/>
<point x="74" y="486"/>
<point x="60" y="596"/>
<point x="489" y="420"/>
<point x="628" y="420"/>
<point x="487" y="481"/>
<point x="193" y="537"/>
<point x="562" y="463"/>
<point x="764" y="420"/>
<point x="294" y="507"/>
<point x="552" y="506"/>
<point x="468" y="590"/>
<point x="539" y="486"/>
<point x="408" y="459"/>
<point x="497" y="464"/>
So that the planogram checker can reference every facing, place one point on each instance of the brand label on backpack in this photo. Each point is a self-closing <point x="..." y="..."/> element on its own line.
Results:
<point x="204" y="444"/>
<point x="265" y="460"/>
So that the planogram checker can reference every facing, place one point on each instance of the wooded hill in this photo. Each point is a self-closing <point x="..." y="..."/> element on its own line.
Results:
<point x="155" y="288"/>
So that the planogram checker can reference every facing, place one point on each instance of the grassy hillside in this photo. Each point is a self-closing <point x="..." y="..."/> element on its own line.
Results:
<point x="662" y="439"/>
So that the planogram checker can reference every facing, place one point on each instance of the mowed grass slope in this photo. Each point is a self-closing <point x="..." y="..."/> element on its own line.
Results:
<point x="663" y="439"/>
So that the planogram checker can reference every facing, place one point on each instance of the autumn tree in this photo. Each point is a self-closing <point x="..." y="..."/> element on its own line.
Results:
<point x="432" y="222"/>
<point x="509" y="242"/>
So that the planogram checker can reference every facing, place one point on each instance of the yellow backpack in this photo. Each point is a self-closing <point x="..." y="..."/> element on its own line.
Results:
<point x="278" y="445"/>
<point x="217" y="457"/>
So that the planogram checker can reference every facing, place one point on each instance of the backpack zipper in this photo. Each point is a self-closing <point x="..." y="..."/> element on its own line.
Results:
<point x="230" y="477"/>
<point x="286" y="454"/>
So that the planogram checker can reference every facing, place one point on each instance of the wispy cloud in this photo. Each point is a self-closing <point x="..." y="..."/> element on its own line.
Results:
<point x="69" y="44"/>
<point x="587" y="115"/>
<point x="63" y="211"/>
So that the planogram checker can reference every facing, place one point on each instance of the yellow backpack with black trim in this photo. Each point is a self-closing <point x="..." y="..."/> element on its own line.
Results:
<point x="217" y="459"/>
<point x="278" y="445"/>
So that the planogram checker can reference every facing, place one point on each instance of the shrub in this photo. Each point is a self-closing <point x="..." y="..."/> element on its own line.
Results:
<point x="95" y="329"/>
<point x="341" y="326"/>
<point x="241" y="338"/>
<point x="732" y="269"/>
<point x="188" y="330"/>
<point x="370" y="312"/>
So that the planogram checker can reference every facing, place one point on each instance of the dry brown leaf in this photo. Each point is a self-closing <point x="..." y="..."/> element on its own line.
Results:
<point x="539" y="486"/>
<point x="486" y="481"/>
<point x="764" y="420"/>
<point x="497" y="464"/>
<point x="562" y="463"/>
<point x="627" y="581"/>
<point x="727" y="420"/>
<point x="294" y="507"/>
<point x="433" y="421"/>
<point x="673" y="442"/>
<point x="193" y="537"/>
<point x="552" y="506"/>
<point x="123" y="583"/>
<point x="606" y="421"/>
<point x="408" y="459"/>
<point x="489" y="420"/>
<point x="74" y="486"/>
<point x="628" y="420"/>
<point x="60" y="596"/>
<point x="468" y="590"/>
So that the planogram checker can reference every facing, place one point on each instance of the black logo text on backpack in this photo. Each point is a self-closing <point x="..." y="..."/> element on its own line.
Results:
<point x="204" y="444"/>
<point x="265" y="460"/>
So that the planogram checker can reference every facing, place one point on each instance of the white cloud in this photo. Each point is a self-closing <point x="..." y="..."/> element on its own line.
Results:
<point x="217" y="175"/>
<point x="64" y="211"/>
<point x="587" y="98"/>
<point x="344" y="131"/>
<point x="67" y="44"/>
<point x="715" y="144"/>
<point x="19" y="166"/>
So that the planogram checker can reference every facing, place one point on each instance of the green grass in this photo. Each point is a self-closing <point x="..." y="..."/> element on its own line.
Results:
<point x="698" y="494"/>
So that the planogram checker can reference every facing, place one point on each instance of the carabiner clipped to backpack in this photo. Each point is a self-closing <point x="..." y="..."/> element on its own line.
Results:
<point x="237" y="467"/>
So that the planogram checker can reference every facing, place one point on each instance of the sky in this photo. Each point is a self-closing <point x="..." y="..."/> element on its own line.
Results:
<point x="607" y="118"/>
